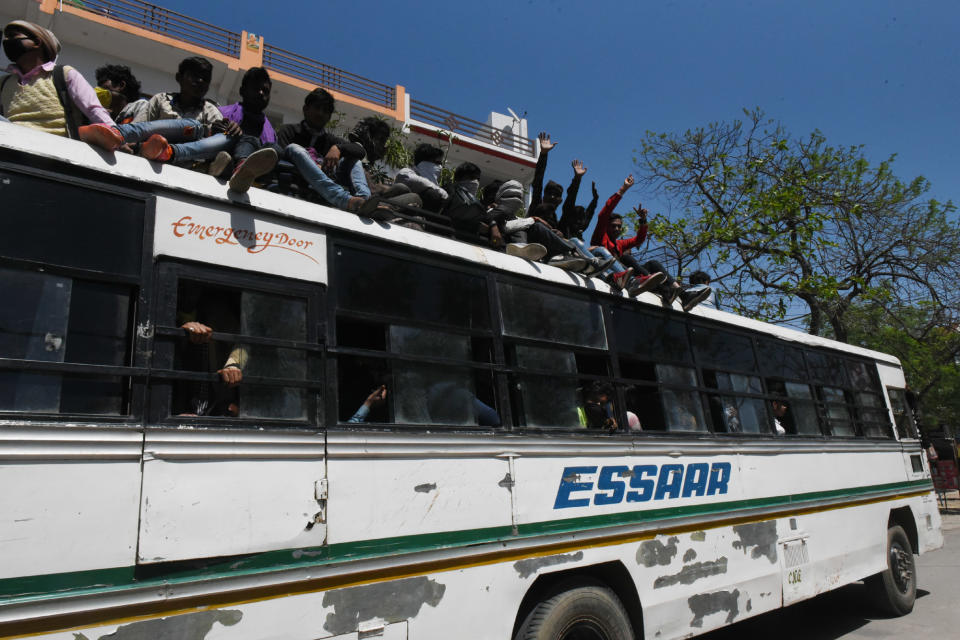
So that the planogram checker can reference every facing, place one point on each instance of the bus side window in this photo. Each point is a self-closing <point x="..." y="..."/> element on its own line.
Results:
<point x="240" y="352"/>
<point x="737" y="413"/>
<point x="837" y="410"/>
<point x="682" y="408"/>
<point x="902" y="414"/>
<point x="871" y="414"/>
<point x="59" y="319"/>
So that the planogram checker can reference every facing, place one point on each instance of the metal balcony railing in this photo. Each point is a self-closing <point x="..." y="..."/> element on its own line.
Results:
<point x="324" y="75"/>
<point x="473" y="128"/>
<point x="170" y="23"/>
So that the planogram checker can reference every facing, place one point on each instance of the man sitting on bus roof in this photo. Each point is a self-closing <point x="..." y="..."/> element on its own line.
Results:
<point x="423" y="178"/>
<point x="40" y="94"/>
<point x="119" y="80"/>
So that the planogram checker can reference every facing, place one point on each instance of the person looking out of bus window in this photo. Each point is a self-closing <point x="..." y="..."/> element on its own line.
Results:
<point x="119" y="79"/>
<point x="186" y="118"/>
<point x="40" y="94"/>
<point x="597" y="409"/>
<point x="423" y="178"/>
<point x="779" y="407"/>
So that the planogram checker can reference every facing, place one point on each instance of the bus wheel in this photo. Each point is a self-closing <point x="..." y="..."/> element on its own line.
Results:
<point x="895" y="589"/>
<point x="578" y="612"/>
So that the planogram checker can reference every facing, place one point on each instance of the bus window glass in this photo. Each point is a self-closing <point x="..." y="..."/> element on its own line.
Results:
<point x="655" y="337"/>
<point x="782" y="360"/>
<point x="423" y="342"/>
<point x="56" y="319"/>
<point x="528" y="313"/>
<point x="902" y="414"/>
<point x="861" y="378"/>
<point x="838" y="414"/>
<point x="545" y="359"/>
<point x="801" y="409"/>
<point x="430" y="394"/>
<point x="547" y="403"/>
<point x="669" y="374"/>
<point x="826" y="369"/>
<point x="740" y="415"/>
<point x="681" y="408"/>
<point x="369" y="282"/>
<point x="250" y="319"/>
<point x="723" y="349"/>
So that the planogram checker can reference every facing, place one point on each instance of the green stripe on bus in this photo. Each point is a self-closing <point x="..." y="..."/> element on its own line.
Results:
<point x="94" y="581"/>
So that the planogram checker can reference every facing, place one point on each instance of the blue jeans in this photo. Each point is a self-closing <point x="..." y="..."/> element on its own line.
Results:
<point x="352" y="177"/>
<point x="176" y="130"/>
<point x="2" y="119"/>
<point x="604" y="253"/>
<point x="314" y="175"/>
<point x="202" y="149"/>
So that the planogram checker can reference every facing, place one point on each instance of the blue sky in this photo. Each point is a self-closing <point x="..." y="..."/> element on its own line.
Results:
<point x="597" y="74"/>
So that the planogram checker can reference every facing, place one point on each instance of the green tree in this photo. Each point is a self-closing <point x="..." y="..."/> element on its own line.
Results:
<point x="780" y="219"/>
<point x="928" y="347"/>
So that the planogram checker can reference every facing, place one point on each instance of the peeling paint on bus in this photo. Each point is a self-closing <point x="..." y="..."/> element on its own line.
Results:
<point x="760" y="535"/>
<point x="530" y="566"/>
<point x="653" y="552"/>
<point x="189" y="626"/>
<point x="393" y="601"/>
<point x="704" y="604"/>
<point x="693" y="572"/>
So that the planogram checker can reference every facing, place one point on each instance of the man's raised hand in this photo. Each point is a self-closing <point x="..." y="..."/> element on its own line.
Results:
<point x="545" y="143"/>
<point x="578" y="168"/>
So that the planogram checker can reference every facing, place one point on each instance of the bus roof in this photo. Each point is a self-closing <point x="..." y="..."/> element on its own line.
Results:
<point x="176" y="179"/>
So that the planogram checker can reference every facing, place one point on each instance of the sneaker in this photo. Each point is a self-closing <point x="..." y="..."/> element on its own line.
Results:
<point x="620" y="279"/>
<point x="258" y="163"/>
<point x="528" y="251"/>
<point x="156" y="148"/>
<point x="669" y="295"/>
<point x="598" y="265"/>
<point x="645" y="283"/>
<point x="568" y="263"/>
<point x="101" y="135"/>
<point x="375" y="208"/>
<point x="690" y="299"/>
<point x="219" y="164"/>
<point x="403" y="199"/>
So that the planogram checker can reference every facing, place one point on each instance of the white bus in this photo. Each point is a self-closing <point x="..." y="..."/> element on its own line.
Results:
<point x="142" y="498"/>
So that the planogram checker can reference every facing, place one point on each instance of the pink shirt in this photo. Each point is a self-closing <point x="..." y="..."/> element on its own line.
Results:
<point x="79" y="89"/>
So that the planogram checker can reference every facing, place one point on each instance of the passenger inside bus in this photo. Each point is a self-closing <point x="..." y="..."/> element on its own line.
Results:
<point x="779" y="408"/>
<point x="201" y="312"/>
<point x="597" y="410"/>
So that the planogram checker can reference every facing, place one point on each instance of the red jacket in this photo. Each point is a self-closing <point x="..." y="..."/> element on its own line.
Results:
<point x="602" y="239"/>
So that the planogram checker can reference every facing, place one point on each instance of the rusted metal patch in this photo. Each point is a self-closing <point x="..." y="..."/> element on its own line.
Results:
<point x="393" y="601"/>
<point x="703" y="604"/>
<point x="189" y="626"/>
<point x="653" y="552"/>
<point x="425" y="488"/>
<point x="762" y="536"/>
<point x="692" y="572"/>
<point x="530" y="566"/>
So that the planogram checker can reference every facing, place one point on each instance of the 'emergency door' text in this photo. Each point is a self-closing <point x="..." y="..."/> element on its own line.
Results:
<point x="581" y="486"/>
<point x="253" y="241"/>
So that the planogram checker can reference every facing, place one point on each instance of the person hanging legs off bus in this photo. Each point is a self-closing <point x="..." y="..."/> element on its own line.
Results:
<point x="119" y="80"/>
<point x="186" y="118"/>
<point x="40" y="94"/>
<point x="423" y="178"/>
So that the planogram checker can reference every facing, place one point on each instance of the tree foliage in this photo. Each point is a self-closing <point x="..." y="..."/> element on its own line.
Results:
<point x="928" y="346"/>
<point x="780" y="219"/>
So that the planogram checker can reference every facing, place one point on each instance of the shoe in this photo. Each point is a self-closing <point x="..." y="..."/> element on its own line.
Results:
<point x="690" y="299"/>
<point x="598" y="265"/>
<point x="219" y="164"/>
<point x="101" y="135"/>
<point x="669" y="295"/>
<point x="376" y="209"/>
<point x="156" y="148"/>
<point x="403" y="199"/>
<point x="568" y="263"/>
<point x="394" y="190"/>
<point x="645" y="283"/>
<point x="620" y="279"/>
<point x="528" y="251"/>
<point x="255" y="165"/>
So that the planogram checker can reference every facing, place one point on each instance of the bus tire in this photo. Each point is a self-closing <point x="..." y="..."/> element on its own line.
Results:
<point x="894" y="590"/>
<point x="578" y="610"/>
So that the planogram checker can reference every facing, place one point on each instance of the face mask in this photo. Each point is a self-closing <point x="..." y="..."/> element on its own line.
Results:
<point x="14" y="48"/>
<point x="470" y="185"/>
<point x="430" y="171"/>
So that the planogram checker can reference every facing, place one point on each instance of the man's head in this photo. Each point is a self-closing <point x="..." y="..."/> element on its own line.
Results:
<point x="615" y="225"/>
<point x="489" y="193"/>
<point x="427" y="153"/>
<point x="553" y="193"/>
<point x="318" y="107"/>
<point x="119" y="78"/>
<point x="372" y="134"/>
<point x="699" y="277"/>
<point x="595" y="399"/>
<point x="25" y="39"/>
<point x="466" y="171"/>
<point x="193" y="76"/>
<point x="779" y="408"/>
<point x="255" y="90"/>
